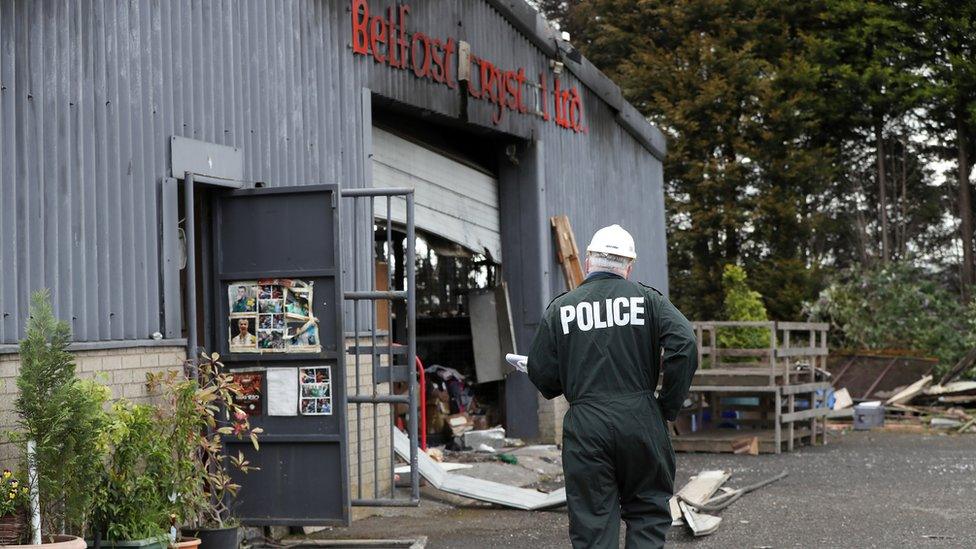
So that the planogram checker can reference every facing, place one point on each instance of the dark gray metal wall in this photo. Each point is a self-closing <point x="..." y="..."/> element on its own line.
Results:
<point x="91" y="91"/>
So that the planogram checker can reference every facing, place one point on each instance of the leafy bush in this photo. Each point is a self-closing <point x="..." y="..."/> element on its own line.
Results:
<point x="896" y="307"/>
<point x="196" y="417"/>
<point x="743" y="304"/>
<point x="132" y="500"/>
<point x="64" y="416"/>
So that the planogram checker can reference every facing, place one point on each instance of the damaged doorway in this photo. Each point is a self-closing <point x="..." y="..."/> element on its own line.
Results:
<point x="463" y="323"/>
<point x="463" y="331"/>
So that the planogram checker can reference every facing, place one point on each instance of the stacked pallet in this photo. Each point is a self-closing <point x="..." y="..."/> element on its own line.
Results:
<point x="757" y="400"/>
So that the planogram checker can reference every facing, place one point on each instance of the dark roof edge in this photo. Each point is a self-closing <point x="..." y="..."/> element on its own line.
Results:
<point x="538" y="31"/>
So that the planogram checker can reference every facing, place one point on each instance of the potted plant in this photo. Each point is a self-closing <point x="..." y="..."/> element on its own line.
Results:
<point x="13" y="504"/>
<point x="64" y="417"/>
<point x="200" y="413"/>
<point x="131" y="504"/>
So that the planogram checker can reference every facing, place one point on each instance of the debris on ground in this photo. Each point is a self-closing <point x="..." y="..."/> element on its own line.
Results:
<point x="842" y="399"/>
<point x="945" y="423"/>
<point x="493" y="439"/>
<point x="746" y="445"/>
<point x="475" y="488"/>
<point x="696" y="500"/>
<point x="947" y="404"/>
<point x="910" y="392"/>
<point x="507" y="458"/>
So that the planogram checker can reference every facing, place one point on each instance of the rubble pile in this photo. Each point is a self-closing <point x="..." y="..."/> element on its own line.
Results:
<point x="696" y="503"/>
<point x="947" y="403"/>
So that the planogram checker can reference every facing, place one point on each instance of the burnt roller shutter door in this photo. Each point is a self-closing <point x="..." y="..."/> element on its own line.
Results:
<point x="453" y="199"/>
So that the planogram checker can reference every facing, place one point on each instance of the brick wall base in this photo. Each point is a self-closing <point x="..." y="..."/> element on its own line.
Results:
<point x="551" y="414"/>
<point x="374" y="480"/>
<point x="122" y="370"/>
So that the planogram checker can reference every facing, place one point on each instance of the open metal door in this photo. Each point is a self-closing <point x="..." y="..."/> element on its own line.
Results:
<point x="277" y="324"/>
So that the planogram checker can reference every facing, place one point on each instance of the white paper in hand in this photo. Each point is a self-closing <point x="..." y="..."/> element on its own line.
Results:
<point x="519" y="362"/>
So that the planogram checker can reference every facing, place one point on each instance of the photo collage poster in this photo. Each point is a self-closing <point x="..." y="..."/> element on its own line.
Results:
<point x="316" y="391"/>
<point x="272" y="316"/>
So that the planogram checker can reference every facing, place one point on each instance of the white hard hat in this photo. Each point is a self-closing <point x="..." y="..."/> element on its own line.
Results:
<point x="613" y="240"/>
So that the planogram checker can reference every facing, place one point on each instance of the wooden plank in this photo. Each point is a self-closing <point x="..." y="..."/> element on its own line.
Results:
<point x="784" y="352"/>
<point x="734" y="389"/>
<point x="777" y="424"/>
<point x="675" y="511"/>
<point x="965" y="363"/>
<point x="747" y="445"/>
<point x="567" y="252"/>
<point x="910" y="392"/>
<point x="701" y="487"/>
<point x="804" y="414"/>
<point x="844" y="412"/>
<point x="720" y="440"/>
<point x="742" y="352"/>
<point x="699" y="523"/>
<point x="382" y="305"/>
<point x="712" y="324"/>
<point x="726" y="365"/>
<point x="805" y="387"/>
<point x="797" y="326"/>
<point x="732" y="379"/>
<point x="957" y="388"/>
<point x="791" y="409"/>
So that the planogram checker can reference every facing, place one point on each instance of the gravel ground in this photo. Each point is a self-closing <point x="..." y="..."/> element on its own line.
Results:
<point x="874" y="489"/>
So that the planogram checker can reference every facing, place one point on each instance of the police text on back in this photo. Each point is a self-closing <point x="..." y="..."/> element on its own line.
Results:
<point x="588" y="315"/>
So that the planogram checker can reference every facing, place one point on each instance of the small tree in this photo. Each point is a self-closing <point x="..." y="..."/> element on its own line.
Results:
<point x="743" y="304"/>
<point x="64" y="416"/>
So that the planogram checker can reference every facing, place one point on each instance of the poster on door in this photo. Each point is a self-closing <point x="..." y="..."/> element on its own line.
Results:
<point x="249" y="397"/>
<point x="271" y="316"/>
<point x="316" y="391"/>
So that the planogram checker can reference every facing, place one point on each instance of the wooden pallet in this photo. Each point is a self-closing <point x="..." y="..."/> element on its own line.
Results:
<point x="721" y="440"/>
<point x="566" y="251"/>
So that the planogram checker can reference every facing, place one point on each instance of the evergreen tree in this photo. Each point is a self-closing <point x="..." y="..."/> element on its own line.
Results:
<point x="64" y="416"/>
<point x="795" y="133"/>
<point x="948" y="34"/>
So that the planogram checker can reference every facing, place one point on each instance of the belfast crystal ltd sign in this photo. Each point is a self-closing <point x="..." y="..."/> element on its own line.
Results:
<point x="385" y="36"/>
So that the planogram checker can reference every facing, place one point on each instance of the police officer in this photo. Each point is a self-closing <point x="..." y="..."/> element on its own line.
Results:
<point x="604" y="345"/>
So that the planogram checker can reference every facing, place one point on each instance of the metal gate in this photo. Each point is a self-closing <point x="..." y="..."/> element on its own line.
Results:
<point x="368" y="351"/>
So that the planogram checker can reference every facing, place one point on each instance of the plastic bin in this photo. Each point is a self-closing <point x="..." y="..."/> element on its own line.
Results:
<point x="868" y="417"/>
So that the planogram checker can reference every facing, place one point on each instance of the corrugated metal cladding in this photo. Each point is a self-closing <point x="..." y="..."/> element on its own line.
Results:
<point x="92" y="90"/>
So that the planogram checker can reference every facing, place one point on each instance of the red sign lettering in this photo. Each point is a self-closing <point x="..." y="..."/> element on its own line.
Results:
<point x="388" y="42"/>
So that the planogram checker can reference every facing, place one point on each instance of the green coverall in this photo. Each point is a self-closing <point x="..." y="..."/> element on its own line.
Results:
<point x="601" y="345"/>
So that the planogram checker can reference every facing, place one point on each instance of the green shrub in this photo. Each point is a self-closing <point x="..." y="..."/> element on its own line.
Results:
<point x="743" y="304"/>
<point x="896" y="307"/>
<point x="132" y="500"/>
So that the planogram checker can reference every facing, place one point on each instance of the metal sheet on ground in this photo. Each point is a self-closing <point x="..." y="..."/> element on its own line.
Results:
<point x="474" y="488"/>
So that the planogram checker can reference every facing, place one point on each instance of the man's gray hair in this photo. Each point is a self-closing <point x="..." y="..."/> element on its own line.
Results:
<point x="608" y="262"/>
